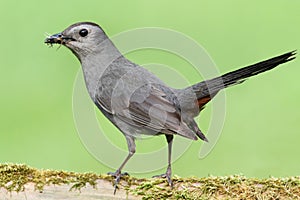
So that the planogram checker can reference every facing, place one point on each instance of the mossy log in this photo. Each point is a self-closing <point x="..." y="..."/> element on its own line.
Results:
<point x="20" y="182"/>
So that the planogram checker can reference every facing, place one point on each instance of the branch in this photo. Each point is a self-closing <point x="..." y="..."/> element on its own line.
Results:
<point x="20" y="182"/>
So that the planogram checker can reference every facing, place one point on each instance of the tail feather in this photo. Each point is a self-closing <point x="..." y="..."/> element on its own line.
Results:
<point x="207" y="89"/>
<point x="243" y="73"/>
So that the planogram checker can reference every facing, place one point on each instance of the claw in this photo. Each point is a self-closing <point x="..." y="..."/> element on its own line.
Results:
<point x="117" y="176"/>
<point x="167" y="176"/>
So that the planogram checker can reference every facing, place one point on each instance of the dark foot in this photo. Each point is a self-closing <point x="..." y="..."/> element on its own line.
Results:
<point x="117" y="176"/>
<point x="167" y="175"/>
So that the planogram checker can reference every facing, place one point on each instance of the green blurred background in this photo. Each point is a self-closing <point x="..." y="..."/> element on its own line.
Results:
<point x="261" y="132"/>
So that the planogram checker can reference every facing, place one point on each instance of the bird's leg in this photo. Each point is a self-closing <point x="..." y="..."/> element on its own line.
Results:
<point x="168" y="173"/>
<point x="118" y="174"/>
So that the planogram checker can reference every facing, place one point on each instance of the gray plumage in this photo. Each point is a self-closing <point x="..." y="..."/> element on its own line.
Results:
<point x="134" y="99"/>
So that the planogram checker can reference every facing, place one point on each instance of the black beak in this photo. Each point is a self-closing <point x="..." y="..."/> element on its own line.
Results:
<point x="58" y="38"/>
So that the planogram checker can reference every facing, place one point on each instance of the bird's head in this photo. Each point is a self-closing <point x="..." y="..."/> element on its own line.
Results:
<point x="82" y="38"/>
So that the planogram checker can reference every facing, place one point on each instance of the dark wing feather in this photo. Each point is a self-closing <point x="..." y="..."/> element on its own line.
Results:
<point x="153" y="111"/>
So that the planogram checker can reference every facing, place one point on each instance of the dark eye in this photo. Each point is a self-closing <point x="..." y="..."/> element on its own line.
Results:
<point x="83" y="32"/>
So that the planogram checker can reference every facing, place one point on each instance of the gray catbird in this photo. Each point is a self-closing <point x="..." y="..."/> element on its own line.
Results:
<point x="134" y="99"/>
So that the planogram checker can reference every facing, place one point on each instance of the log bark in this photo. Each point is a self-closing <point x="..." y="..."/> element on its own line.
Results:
<point x="20" y="182"/>
<point x="103" y="190"/>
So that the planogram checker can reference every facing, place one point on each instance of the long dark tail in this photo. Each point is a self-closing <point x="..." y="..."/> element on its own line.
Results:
<point x="207" y="89"/>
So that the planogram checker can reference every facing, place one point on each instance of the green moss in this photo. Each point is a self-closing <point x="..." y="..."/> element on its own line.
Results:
<point x="231" y="187"/>
<point x="14" y="177"/>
